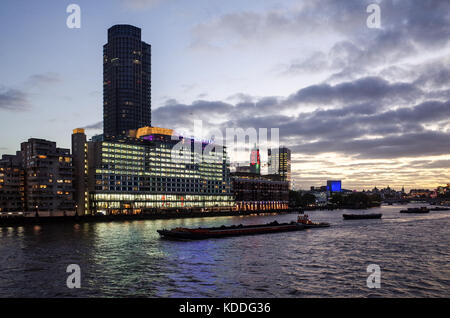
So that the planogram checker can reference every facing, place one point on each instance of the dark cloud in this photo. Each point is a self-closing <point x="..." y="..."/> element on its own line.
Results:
<point x="18" y="99"/>
<point x="14" y="100"/>
<point x="426" y="143"/>
<point x="361" y="90"/>
<point x="98" y="125"/>
<point x="365" y="96"/>
<point x="209" y="112"/>
<point x="438" y="164"/>
<point x="364" y="120"/>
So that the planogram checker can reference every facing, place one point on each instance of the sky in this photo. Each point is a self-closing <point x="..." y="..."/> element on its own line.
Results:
<point x="370" y="106"/>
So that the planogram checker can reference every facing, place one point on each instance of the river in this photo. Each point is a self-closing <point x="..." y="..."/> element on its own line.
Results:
<point x="128" y="259"/>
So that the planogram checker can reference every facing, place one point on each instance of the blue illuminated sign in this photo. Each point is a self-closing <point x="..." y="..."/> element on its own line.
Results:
<point x="334" y="186"/>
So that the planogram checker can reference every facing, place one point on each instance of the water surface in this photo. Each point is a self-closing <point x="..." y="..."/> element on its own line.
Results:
<point x="128" y="259"/>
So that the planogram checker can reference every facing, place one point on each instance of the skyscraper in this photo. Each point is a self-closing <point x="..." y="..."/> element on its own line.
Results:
<point x="255" y="161"/>
<point x="126" y="81"/>
<point x="280" y="163"/>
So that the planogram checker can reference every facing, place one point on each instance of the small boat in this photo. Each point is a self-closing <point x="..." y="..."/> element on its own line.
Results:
<point x="362" y="216"/>
<point x="439" y="209"/>
<point x="416" y="210"/>
<point x="225" y="231"/>
<point x="308" y="224"/>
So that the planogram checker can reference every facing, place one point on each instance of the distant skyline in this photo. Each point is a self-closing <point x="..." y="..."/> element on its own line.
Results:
<point x="368" y="106"/>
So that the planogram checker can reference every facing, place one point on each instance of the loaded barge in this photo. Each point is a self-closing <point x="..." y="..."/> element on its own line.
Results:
<point x="239" y="230"/>
<point x="416" y="210"/>
<point x="439" y="209"/>
<point x="362" y="216"/>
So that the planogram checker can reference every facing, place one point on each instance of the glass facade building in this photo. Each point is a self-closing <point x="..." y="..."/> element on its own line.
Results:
<point x="126" y="81"/>
<point x="255" y="161"/>
<point x="132" y="175"/>
<point x="280" y="163"/>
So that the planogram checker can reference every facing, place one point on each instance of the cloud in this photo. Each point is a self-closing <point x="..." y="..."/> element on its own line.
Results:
<point x="383" y="95"/>
<point x="14" y="100"/>
<point x="18" y="99"/>
<point x="366" y="118"/>
<point x="427" y="143"/>
<point x="363" y="89"/>
<point x="98" y="125"/>
<point x="44" y="79"/>
<point x="241" y="28"/>
<point x="408" y="29"/>
<point x="141" y="4"/>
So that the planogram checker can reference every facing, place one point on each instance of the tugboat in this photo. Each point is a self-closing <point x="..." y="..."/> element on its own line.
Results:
<point x="308" y="224"/>
<point x="416" y="210"/>
<point x="362" y="216"/>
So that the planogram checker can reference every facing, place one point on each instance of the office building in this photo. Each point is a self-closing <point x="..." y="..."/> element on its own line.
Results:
<point x="280" y="163"/>
<point x="139" y="174"/>
<point x="255" y="192"/>
<point x="255" y="161"/>
<point x="126" y="81"/>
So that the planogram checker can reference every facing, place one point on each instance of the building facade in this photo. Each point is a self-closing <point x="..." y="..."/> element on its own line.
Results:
<point x="126" y="81"/>
<point x="255" y="161"/>
<point x="11" y="184"/>
<point x="140" y="174"/>
<point x="80" y="170"/>
<point x="48" y="177"/>
<point x="280" y="163"/>
<point x="255" y="192"/>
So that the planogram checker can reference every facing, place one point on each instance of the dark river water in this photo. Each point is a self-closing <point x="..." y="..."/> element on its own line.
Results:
<point x="128" y="259"/>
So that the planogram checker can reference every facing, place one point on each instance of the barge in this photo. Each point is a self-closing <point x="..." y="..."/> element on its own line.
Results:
<point x="224" y="231"/>
<point x="440" y="209"/>
<point x="362" y="216"/>
<point x="238" y="230"/>
<point x="416" y="210"/>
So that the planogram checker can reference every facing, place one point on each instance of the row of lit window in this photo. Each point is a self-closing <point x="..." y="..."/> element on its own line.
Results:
<point x="124" y="146"/>
<point x="159" y="197"/>
<point x="117" y="205"/>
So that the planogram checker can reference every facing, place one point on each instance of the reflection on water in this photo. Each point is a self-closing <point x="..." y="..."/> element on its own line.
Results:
<point x="128" y="258"/>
